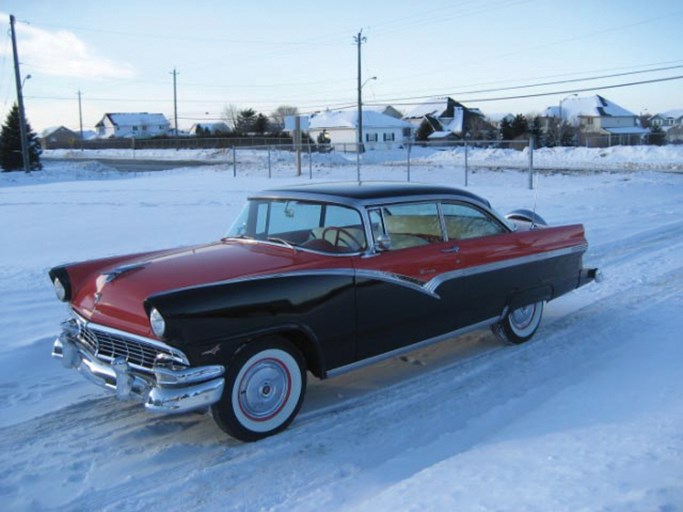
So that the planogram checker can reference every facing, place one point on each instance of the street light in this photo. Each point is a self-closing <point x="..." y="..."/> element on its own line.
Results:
<point x="360" y="112"/>
<point x="27" y="77"/>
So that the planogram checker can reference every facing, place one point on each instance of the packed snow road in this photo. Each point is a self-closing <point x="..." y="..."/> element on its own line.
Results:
<point x="586" y="416"/>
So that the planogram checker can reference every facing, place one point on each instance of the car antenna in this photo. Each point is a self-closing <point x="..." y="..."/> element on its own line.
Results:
<point x="535" y="185"/>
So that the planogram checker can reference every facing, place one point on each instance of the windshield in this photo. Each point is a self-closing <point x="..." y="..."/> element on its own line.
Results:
<point x="309" y="225"/>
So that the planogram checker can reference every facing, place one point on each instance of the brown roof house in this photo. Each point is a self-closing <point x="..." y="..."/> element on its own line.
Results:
<point x="447" y="119"/>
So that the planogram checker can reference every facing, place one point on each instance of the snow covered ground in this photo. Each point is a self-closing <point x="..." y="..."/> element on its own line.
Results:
<point x="588" y="416"/>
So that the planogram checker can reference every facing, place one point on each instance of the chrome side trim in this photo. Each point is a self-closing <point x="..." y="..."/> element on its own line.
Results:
<point x="437" y="281"/>
<point x="409" y="348"/>
<point x="398" y="280"/>
<point x="428" y="288"/>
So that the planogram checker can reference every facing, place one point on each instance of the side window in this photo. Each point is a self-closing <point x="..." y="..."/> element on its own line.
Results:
<point x="412" y="225"/>
<point x="376" y="223"/>
<point x="463" y="221"/>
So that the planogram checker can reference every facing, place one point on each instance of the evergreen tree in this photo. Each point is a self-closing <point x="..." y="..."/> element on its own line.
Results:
<point x="246" y="119"/>
<point x="10" y="144"/>
<point x="657" y="136"/>
<point x="535" y="129"/>
<point x="506" y="132"/>
<point x="261" y="124"/>
<point x="519" y="126"/>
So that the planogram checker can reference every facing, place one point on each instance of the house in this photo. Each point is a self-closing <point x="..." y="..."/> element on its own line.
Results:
<point x="667" y="119"/>
<point x="135" y="124"/>
<point x="58" y="137"/>
<point x="380" y="131"/>
<point x="671" y="122"/>
<point x="209" y="128"/>
<point x="599" y="122"/>
<point x="448" y="119"/>
<point x="384" y="109"/>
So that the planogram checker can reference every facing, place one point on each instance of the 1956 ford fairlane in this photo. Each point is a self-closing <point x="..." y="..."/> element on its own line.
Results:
<point x="319" y="278"/>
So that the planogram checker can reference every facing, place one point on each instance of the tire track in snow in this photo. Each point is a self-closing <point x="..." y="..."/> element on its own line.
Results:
<point x="361" y="444"/>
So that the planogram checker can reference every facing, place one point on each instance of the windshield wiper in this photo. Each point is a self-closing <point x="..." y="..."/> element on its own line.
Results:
<point x="281" y="241"/>
<point x="238" y="237"/>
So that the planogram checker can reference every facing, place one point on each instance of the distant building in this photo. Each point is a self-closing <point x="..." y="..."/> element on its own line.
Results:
<point x="667" y="119"/>
<point x="384" y="109"/>
<point x="671" y="122"/>
<point x="380" y="131"/>
<point x="449" y="119"/>
<point x="58" y="137"/>
<point x="600" y="122"/>
<point x="135" y="124"/>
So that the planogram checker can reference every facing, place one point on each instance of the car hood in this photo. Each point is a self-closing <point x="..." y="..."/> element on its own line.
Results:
<point x="113" y="293"/>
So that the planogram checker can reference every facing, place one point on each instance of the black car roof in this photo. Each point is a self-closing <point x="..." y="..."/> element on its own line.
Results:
<point x="370" y="192"/>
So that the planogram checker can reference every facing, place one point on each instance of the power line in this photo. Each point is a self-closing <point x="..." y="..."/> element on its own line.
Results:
<point x="531" y="86"/>
<point x="566" y="91"/>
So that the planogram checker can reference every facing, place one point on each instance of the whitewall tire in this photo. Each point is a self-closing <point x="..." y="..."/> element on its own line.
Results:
<point x="264" y="389"/>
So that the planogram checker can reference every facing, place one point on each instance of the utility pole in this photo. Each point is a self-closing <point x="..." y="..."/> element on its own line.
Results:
<point x="80" y="117"/>
<point x="20" y="100"/>
<point x="175" y="102"/>
<point x="360" y="39"/>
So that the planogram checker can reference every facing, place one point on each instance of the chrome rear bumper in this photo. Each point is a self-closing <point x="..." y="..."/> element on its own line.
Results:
<point x="167" y="387"/>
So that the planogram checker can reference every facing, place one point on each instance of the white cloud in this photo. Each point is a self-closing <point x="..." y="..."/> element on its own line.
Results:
<point x="62" y="53"/>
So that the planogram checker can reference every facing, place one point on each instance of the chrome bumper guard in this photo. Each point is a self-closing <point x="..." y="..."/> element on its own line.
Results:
<point x="169" y="388"/>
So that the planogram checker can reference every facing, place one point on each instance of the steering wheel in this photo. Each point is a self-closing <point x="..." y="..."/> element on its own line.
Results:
<point x="341" y="236"/>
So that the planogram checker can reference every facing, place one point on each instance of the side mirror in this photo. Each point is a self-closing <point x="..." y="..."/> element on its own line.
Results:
<point x="383" y="243"/>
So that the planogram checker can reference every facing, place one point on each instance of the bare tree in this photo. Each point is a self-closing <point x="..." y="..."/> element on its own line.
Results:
<point x="279" y="114"/>
<point x="230" y="115"/>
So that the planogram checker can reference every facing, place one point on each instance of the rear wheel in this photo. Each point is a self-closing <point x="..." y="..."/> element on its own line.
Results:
<point x="264" y="389"/>
<point x="519" y="325"/>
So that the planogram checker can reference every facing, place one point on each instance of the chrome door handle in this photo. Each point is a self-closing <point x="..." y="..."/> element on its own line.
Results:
<point x="454" y="249"/>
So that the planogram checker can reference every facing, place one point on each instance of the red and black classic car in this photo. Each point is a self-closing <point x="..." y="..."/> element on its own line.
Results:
<point x="319" y="278"/>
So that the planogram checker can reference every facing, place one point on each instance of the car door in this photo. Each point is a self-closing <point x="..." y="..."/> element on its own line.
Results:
<point x="395" y="305"/>
<point x="445" y="270"/>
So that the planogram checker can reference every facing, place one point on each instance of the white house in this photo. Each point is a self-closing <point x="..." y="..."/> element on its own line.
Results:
<point x="380" y="131"/>
<point x="597" y="117"/>
<point x="136" y="124"/>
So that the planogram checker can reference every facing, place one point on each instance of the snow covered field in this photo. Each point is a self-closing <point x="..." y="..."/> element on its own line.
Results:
<point x="588" y="416"/>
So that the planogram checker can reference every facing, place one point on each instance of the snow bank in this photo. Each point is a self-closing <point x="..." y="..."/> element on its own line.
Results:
<point x="587" y="416"/>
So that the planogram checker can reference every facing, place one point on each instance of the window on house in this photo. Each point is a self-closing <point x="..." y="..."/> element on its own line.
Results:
<point x="370" y="137"/>
<point x="389" y="137"/>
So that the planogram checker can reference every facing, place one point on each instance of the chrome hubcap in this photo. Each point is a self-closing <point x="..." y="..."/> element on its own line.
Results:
<point x="264" y="389"/>
<point x="521" y="318"/>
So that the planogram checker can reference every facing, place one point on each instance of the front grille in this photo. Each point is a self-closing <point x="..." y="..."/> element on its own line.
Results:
<point x="108" y="346"/>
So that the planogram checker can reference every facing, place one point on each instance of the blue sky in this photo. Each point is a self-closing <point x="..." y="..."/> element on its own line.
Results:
<point x="264" y="54"/>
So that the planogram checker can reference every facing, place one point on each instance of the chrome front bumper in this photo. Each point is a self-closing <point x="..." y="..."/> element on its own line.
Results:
<point x="167" y="387"/>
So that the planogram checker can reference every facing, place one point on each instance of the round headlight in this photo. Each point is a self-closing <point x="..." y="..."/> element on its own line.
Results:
<point x="59" y="289"/>
<point x="157" y="322"/>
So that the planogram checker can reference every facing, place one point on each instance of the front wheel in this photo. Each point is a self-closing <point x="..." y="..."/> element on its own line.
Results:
<point x="519" y="325"/>
<point x="264" y="389"/>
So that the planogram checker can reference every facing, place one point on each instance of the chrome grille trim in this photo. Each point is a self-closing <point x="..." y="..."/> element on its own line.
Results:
<point x="139" y="352"/>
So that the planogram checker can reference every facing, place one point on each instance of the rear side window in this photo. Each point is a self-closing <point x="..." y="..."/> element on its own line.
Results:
<point x="463" y="222"/>
<point x="412" y="225"/>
